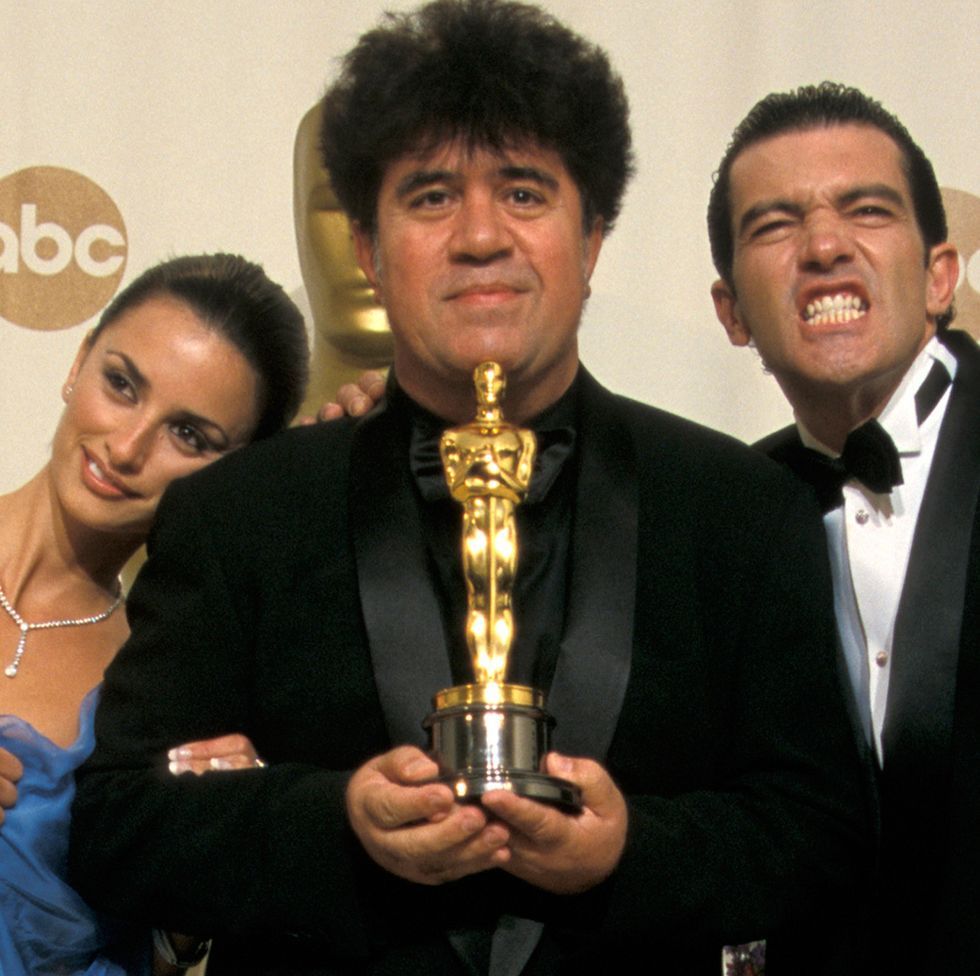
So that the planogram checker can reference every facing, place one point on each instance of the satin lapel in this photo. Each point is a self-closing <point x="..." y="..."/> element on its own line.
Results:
<point x="593" y="665"/>
<point x="400" y="607"/>
<point x="594" y="658"/>
<point x="921" y="694"/>
<point x="785" y="447"/>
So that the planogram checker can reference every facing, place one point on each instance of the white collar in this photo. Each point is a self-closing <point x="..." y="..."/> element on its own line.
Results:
<point x="898" y="416"/>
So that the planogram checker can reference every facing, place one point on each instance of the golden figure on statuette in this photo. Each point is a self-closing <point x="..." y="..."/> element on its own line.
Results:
<point x="490" y="734"/>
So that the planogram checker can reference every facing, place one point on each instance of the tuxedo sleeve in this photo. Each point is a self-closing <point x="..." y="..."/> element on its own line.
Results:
<point x="222" y="642"/>
<point x="750" y="814"/>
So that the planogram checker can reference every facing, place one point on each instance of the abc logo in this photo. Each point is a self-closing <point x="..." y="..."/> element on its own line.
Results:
<point x="62" y="248"/>
<point x="963" y="211"/>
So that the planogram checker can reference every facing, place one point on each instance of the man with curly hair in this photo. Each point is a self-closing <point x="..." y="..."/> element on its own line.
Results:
<point x="672" y="597"/>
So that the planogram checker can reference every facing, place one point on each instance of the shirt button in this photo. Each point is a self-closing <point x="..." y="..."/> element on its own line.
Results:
<point x="881" y="658"/>
<point x="862" y="517"/>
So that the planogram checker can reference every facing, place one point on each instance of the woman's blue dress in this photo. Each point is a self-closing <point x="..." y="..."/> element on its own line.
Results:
<point x="45" y="927"/>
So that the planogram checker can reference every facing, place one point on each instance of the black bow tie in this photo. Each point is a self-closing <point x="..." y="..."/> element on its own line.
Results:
<point x="870" y="456"/>
<point x="869" y="453"/>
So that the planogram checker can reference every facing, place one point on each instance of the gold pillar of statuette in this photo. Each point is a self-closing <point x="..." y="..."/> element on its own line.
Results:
<point x="488" y="465"/>
<point x="490" y="734"/>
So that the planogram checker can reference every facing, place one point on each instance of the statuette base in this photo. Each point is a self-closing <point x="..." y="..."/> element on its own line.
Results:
<point x="483" y="745"/>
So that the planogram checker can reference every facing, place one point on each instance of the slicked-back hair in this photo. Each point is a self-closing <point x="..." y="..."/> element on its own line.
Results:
<point x="236" y="299"/>
<point x="490" y="74"/>
<point x="822" y="106"/>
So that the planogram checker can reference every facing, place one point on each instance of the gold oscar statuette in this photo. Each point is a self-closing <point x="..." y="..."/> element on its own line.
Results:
<point x="491" y="735"/>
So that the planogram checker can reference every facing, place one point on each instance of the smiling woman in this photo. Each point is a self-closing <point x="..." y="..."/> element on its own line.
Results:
<point x="196" y="358"/>
<point x="154" y="397"/>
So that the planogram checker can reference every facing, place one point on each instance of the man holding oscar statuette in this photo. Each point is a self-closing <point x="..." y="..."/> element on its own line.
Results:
<point x="656" y="591"/>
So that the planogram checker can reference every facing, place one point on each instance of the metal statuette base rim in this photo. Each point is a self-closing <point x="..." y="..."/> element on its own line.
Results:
<point x="495" y="738"/>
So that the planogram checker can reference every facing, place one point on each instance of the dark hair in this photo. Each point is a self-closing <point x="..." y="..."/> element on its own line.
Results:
<point x="812" y="107"/>
<point x="237" y="299"/>
<point x="491" y="73"/>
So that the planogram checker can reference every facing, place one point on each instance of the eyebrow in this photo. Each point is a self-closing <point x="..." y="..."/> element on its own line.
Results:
<point x="422" y="178"/>
<point x="763" y="207"/>
<point x="135" y="374"/>
<point x="141" y="383"/>
<point x="880" y="191"/>
<point x="531" y="174"/>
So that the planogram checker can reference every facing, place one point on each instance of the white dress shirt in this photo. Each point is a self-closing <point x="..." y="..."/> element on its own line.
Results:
<point x="870" y="537"/>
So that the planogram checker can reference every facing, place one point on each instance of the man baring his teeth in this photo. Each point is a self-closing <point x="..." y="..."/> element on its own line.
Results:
<point x="828" y="230"/>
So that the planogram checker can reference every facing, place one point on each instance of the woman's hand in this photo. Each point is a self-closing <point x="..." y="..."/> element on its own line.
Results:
<point x="353" y="399"/>
<point x="11" y="771"/>
<point x="211" y="755"/>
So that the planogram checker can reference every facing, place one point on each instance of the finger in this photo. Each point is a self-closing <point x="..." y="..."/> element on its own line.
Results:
<point x="388" y="806"/>
<point x="239" y="760"/>
<point x="407" y="765"/>
<point x="11" y="767"/>
<point x="213" y="765"/>
<point x="352" y="400"/>
<point x="460" y="826"/>
<point x="234" y="751"/>
<point x="231" y="745"/>
<point x="359" y="405"/>
<point x="539" y="822"/>
<point x="330" y="411"/>
<point x="487" y="848"/>
<point x="359" y="397"/>
<point x="463" y="844"/>
<point x="392" y="790"/>
<point x="600" y="795"/>
<point x="418" y="769"/>
<point x="372" y="383"/>
<point x="8" y="793"/>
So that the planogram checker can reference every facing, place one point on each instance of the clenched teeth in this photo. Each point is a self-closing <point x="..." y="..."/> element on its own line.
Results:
<point x="834" y="309"/>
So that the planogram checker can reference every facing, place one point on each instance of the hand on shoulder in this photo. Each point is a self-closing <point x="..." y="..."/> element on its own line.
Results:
<point x="353" y="399"/>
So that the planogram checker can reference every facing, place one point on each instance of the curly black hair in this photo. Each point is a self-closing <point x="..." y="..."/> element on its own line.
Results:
<point x="491" y="73"/>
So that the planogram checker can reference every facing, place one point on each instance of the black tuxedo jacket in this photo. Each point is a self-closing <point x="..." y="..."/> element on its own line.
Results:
<point x="927" y="903"/>
<point x="287" y="596"/>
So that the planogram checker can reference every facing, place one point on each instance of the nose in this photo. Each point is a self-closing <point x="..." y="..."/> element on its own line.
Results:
<point x="828" y="242"/>
<point x="129" y="445"/>
<point x="480" y="232"/>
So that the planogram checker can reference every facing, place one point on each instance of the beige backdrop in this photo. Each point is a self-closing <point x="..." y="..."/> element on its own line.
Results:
<point x="179" y="118"/>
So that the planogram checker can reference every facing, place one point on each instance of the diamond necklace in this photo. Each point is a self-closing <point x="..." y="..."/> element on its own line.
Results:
<point x="11" y="669"/>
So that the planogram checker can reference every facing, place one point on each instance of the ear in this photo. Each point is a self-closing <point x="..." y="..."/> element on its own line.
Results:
<point x="83" y="350"/>
<point x="364" y="252"/>
<point x="726" y="308"/>
<point x="593" y="245"/>
<point x="942" y="273"/>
